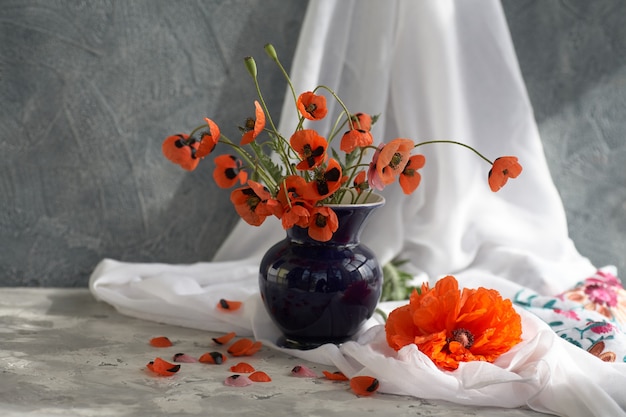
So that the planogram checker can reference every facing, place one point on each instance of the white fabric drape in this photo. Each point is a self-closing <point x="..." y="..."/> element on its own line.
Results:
<point x="433" y="69"/>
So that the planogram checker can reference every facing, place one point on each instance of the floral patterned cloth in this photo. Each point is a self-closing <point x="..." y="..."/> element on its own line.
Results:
<point x="592" y="315"/>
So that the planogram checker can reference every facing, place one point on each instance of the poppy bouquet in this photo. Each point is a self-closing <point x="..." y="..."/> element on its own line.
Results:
<point x="297" y="178"/>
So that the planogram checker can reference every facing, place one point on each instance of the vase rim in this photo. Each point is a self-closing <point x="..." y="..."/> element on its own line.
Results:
<point x="373" y="200"/>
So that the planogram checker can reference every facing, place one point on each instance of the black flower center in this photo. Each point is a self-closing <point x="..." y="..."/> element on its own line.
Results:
<point x="395" y="160"/>
<point x="464" y="337"/>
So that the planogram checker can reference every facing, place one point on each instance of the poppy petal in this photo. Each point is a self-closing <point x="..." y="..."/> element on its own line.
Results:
<point x="335" y="376"/>
<point x="215" y="358"/>
<point x="184" y="358"/>
<point x="238" y="381"/>
<point x="160" y="341"/>
<point x="240" y="347"/>
<point x="364" y="385"/>
<point x="162" y="367"/>
<point x="259" y="376"/>
<point x="229" y="305"/>
<point x="303" y="371"/>
<point x="242" y="368"/>
<point x="222" y="340"/>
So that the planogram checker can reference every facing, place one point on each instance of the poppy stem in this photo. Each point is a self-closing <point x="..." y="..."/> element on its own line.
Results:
<point x="271" y="52"/>
<point x="456" y="143"/>
<point x="280" y="149"/>
<point x="345" y="109"/>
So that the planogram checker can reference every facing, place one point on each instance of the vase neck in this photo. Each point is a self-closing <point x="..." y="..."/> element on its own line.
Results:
<point x="352" y="219"/>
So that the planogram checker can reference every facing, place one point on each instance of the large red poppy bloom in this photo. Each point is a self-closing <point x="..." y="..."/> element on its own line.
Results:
<point x="253" y="126"/>
<point x="410" y="178"/>
<point x="323" y="223"/>
<point x="312" y="106"/>
<point x="310" y="146"/>
<point x="228" y="171"/>
<point x="452" y="326"/>
<point x="503" y="168"/>
<point x="180" y="150"/>
<point x="208" y="139"/>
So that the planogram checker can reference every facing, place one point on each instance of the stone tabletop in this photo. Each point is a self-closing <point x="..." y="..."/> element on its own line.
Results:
<point x="64" y="354"/>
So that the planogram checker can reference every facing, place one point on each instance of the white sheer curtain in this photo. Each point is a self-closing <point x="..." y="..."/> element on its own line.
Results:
<point x="433" y="69"/>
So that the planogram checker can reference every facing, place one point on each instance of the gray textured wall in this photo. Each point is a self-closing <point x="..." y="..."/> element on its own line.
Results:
<point x="90" y="89"/>
<point x="572" y="54"/>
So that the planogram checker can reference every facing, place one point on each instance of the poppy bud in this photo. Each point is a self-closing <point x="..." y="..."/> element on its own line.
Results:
<point x="251" y="66"/>
<point x="271" y="52"/>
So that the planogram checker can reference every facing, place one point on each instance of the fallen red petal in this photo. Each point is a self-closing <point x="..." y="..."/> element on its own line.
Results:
<point x="238" y="381"/>
<point x="364" y="385"/>
<point x="303" y="372"/>
<point x="256" y="346"/>
<point x="222" y="340"/>
<point x="335" y="376"/>
<point x="160" y="341"/>
<point x="215" y="358"/>
<point x="184" y="358"/>
<point x="240" y="347"/>
<point x="259" y="376"/>
<point x="229" y="305"/>
<point x="161" y="367"/>
<point x="242" y="368"/>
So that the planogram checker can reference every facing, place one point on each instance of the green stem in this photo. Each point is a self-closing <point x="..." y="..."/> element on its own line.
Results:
<point x="456" y="143"/>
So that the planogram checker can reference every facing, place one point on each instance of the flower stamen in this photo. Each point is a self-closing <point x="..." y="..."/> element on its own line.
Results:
<point x="463" y="336"/>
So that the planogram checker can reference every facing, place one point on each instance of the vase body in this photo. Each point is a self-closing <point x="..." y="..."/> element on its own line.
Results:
<point x="322" y="292"/>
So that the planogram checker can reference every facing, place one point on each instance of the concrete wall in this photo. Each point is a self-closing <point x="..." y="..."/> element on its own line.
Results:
<point x="90" y="89"/>
<point x="573" y="58"/>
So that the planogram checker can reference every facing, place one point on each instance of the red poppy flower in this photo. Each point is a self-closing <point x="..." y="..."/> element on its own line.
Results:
<point x="392" y="159"/>
<point x="253" y="126"/>
<point x="310" y="146"/>
<point x="312" y="106"/>
<point x="253" y="203"/>
<point x="362" y="121"/>
<point x="325" y="183"/>
<point x="208" y="139"/>
<point x="228" y="171"/>
<point x="182" y="151"/>
<point x="323" y="224"/>
<point x="355" y="138"/>
<point x="451" y="326"/>
<point x="360" y="182"/>
<point x="503" y="168"/>
<point x="410" y="178"/>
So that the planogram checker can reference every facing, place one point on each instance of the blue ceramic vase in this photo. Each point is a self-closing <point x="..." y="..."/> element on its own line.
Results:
<point x="322" y="292"/>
